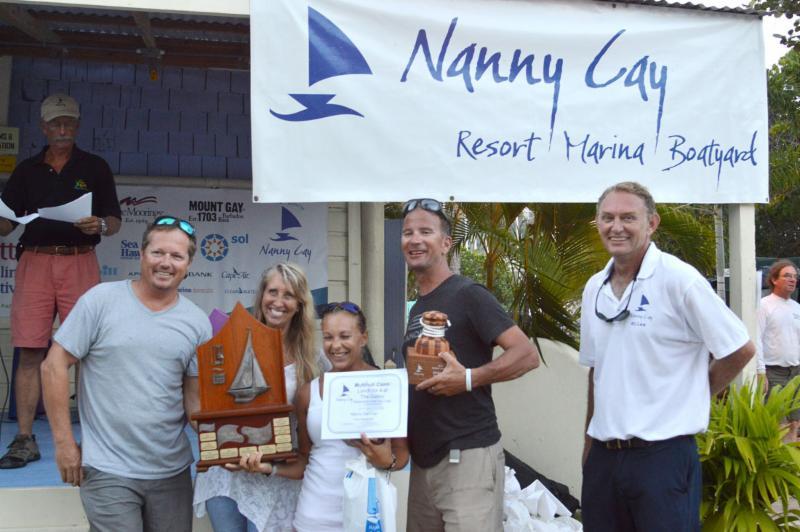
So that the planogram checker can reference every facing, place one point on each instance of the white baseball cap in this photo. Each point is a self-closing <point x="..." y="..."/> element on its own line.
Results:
<point x="57" y="105"/>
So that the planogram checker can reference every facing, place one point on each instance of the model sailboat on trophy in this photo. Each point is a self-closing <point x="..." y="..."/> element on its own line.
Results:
<point x="243" y="406"/>
<point x="249" y="381"/>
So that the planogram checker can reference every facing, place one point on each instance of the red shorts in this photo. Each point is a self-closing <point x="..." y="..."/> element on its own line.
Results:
<point x="46" y="285"/>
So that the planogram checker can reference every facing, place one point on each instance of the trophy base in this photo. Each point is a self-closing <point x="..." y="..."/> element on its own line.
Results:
<point x="226" y="436"/>
<point x="421" y="367"/>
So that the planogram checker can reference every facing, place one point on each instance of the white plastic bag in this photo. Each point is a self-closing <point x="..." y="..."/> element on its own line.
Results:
<point x="370" y="499"/>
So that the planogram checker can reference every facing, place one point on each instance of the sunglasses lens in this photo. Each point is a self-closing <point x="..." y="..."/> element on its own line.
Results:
<point x="166" y="220"/>
<point x="431" y="205"/>
<point x="409" y="206"/>
<point x="187" y="227"/>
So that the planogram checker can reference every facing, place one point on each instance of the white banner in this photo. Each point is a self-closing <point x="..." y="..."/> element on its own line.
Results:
<point x="236" y="241"/>
<point x="478" y="100"/>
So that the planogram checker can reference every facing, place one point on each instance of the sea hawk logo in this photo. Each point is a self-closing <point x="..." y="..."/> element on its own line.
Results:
<point x="288" y="221"/>
<point x="134" y="201"/>
<point x="330" y="53"/>
<point x="643" y="303"/>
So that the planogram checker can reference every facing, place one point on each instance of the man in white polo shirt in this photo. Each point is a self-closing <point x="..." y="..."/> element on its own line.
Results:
<point x="778" y="340"/>
<point x="650" y="325"/>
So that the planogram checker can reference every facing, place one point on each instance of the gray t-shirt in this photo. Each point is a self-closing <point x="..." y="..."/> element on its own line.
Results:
<point x="133" y="361"/>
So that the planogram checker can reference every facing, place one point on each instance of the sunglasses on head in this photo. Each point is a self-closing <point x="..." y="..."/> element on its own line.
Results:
<point x="183" y="225"/>
<point x="428" y="204"/>
<point x="346" y="306"/>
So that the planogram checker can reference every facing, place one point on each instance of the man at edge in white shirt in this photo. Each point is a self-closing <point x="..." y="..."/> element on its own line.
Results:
<point x="648" y="324"/>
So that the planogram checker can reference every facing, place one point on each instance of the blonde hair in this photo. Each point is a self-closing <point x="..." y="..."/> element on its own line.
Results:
<point x="299" y="337"/>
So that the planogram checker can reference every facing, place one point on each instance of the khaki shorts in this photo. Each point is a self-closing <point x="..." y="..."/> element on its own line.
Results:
<point x="46" y="285"/>
<point x="462" y="497"/>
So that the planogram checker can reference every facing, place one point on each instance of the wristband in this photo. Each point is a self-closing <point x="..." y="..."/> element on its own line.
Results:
<point x="274" y="470"/>
<point x="393" y="464"/>
<point x="469" y="379"/>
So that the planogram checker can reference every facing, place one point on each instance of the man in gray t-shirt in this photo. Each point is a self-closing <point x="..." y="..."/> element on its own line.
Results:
<point x="136" y="341"/>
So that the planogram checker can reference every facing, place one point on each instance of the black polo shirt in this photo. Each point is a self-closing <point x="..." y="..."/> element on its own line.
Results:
<point x="35" y="184"/>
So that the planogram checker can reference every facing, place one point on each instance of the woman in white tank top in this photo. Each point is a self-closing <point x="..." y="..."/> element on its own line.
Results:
<point x="319" y="507"/>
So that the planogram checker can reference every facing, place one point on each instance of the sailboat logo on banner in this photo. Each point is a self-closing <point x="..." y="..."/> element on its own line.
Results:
<point x="330" y="53"/>
<point x="288" y="221"/>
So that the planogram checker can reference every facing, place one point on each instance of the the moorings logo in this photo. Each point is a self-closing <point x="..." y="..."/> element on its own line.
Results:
<point x="331" y="53"/>
<point x="133" y="212"/>
<point x="133" y="201"/>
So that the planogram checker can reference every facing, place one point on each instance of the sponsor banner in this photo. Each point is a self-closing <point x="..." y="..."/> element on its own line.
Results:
<point x="550" y="101"/>
<point x="236" y="241"/>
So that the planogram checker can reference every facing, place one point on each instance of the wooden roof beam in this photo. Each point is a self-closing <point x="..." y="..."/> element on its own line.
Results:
<point x="143" y="23"/>
<point x="19" y="17"/>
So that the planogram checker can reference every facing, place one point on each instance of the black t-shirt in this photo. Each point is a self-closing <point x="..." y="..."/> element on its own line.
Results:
<point x="437" y="424"/>
<point x="35" y="184"/>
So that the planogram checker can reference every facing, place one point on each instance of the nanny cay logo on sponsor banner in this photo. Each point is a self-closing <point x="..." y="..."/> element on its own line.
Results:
<point x="284" y="245"/>
<point x="215" y="211"/>
<point x="330" y="53"/>
<point x="133" y="212"/>
<point x="214" y="247"/>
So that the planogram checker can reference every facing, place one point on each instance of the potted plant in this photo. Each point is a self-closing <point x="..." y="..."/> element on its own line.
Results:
<point x="747" y="466"/>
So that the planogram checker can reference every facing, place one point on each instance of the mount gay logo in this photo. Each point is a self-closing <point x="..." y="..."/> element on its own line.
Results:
<point x="330" y="53"/>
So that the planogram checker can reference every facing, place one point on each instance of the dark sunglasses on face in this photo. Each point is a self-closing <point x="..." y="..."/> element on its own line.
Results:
<point x="183" y="225"/>
<point x="346" y="306"/>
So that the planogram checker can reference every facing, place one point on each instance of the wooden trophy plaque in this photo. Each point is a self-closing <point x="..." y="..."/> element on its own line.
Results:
<point x="422" y="359"/>
<point x="243" y="406"/>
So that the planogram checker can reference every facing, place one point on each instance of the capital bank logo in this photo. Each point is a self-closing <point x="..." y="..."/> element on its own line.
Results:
<point x="288" y="221"/>
<point x="133" y="201"/>
<point x="330" y="53"/>
<point x="214" y="247"/>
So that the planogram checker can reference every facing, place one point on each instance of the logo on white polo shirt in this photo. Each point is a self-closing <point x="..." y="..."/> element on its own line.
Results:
<point x="640" y="316"/>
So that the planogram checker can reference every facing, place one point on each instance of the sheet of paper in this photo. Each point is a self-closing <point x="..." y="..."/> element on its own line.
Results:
<point x="69" y="212"/>
<point x="6" y="212"/>
<point x="372" y="402"/>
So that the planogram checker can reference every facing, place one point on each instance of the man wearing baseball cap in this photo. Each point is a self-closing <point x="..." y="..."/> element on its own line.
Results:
<point x="57" y="263"/>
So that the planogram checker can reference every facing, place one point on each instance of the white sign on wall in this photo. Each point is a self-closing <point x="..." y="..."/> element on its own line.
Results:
<point x="547" y="101"/>
<point x="236" y="241"/>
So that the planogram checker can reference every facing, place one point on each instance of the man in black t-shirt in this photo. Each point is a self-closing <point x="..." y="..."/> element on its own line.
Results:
<point x="458" y="474"/>
<point x="58" y="263"/>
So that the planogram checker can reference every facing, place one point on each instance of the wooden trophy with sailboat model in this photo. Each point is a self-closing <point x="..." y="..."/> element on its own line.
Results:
<point x="243" y="403"/>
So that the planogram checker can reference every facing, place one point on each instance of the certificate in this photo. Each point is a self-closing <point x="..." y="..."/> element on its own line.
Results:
<point x="372" y="402"/>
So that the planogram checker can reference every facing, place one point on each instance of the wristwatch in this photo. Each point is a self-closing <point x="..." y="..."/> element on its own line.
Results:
<point x="103" y="226"/>
<point x="393" y="464"/>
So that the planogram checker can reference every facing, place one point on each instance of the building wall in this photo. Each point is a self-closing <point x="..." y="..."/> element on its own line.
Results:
<point x="188" y="122"/>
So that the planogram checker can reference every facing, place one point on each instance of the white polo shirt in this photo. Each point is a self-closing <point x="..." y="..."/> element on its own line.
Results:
<point x="778" y="342"/>
<point x="651" y="369"/>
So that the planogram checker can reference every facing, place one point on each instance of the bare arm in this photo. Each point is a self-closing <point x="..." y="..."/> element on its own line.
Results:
<point x="191" y="398"/>
<point x="5" y="227"/>
<point x="114" y="224"/>
<point x="519" y="357"/>
<point x="55" y="388"/>
<point x="587" y="440"/>
<point x="722" y="371"/>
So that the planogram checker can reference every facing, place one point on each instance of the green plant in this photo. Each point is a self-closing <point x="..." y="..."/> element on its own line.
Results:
<point x="747" y="467"/>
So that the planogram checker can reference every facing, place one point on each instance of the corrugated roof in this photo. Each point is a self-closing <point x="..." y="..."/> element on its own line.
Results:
<point x="744" y="10"/>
